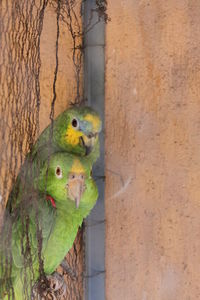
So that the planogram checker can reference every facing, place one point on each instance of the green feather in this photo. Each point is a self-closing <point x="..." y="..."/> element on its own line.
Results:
<point x="59" y="224"/>
<point x="52" y="140"/>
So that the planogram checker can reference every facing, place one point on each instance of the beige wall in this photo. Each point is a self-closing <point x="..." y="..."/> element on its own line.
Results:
<point x="153" y="150"/>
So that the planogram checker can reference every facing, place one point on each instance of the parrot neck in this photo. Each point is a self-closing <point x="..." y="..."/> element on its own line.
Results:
<point x="70" y="210"/>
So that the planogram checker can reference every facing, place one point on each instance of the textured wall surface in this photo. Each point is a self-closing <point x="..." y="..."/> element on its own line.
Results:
<point x="66" y="83"/>
<point x="153" y="150"/>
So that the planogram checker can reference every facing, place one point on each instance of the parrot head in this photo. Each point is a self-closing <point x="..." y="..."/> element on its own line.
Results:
<point x="67" y="182"/>
<point x="77" y="129"/>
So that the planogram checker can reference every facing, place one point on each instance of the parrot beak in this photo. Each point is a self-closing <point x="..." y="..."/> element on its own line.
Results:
<point x="76" y="187"/>
<point x="88" y="141"/>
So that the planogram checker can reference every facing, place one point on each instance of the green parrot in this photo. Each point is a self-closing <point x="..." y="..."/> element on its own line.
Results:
<point x="76" y="131"/>
<point x="64" y="194"/>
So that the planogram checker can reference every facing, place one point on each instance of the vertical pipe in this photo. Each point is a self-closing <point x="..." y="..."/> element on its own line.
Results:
<point x="94" y="93"/>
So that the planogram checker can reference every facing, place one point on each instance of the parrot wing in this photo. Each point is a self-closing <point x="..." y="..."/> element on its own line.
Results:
<point x="26" y="223"/>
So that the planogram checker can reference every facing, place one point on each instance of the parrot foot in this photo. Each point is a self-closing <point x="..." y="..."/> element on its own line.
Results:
<point x="57" y="285"/>
<point x="54" y="289"/>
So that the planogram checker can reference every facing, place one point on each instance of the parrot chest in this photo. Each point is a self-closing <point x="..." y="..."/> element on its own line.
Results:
<point x="60" y="241"/>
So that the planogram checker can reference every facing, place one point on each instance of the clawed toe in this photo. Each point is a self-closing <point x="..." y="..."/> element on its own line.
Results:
<point x="55" y="288"/>
<point x="57" y="284"/>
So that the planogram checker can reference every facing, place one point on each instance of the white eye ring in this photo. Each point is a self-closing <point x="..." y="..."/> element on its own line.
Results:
<point x="58" y="172"/>
<point x="75" y="123"/>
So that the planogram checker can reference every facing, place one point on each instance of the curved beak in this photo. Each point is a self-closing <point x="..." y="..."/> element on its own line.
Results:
<point x="76" y="187"/>
<point x="88" y="141"/>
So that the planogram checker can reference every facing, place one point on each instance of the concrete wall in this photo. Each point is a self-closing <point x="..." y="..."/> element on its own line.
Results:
<point x="153" y="150"/>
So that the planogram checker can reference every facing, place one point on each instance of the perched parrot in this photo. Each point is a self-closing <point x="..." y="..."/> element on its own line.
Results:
<point x="65" y="193"/>
<point x="75" y="131"/>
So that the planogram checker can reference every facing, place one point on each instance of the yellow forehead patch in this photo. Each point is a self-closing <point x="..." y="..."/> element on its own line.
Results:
<point x="96" y="123"/>
<point x="77" y="167"/>
<point x="72" y="136"/>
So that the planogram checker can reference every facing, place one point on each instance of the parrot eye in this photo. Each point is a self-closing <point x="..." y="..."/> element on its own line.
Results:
<point x="58" y="172"/>
<point x="75" y="123"/>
